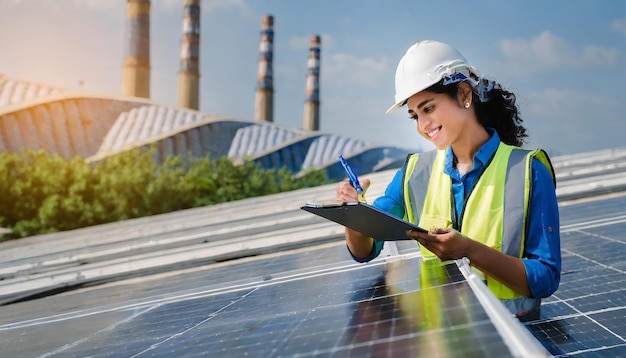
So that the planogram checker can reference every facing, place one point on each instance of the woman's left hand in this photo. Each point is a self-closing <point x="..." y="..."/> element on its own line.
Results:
<point x="447" y="243"/>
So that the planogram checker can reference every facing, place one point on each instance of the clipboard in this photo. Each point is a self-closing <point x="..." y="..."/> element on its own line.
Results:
<point x="365" y="219"/>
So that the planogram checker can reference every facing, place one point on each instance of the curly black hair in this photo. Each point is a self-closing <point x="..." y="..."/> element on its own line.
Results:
<point x="500" y="112"/>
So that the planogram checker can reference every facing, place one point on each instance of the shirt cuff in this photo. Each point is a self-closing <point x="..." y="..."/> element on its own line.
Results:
<point x="370" y="257"/>
<point x="542" y="281"/>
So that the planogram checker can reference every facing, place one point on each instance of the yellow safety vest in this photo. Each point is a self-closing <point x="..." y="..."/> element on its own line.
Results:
<point x="495" y="212"/>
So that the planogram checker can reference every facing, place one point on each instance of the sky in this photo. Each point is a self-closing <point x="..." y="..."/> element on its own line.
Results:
<point x="564" y="60"/>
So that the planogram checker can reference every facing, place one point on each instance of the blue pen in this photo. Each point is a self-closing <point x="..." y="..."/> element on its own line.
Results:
<point x="354" y="181"/>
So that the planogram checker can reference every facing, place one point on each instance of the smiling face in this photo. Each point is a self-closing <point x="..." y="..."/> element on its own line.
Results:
<point x="443" y="120"/>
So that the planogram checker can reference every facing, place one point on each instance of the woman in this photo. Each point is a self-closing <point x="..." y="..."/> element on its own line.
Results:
<point x="485" y="198"/>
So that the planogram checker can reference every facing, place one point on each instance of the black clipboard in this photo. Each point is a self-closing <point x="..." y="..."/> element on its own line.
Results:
<point x="365" y="219"/>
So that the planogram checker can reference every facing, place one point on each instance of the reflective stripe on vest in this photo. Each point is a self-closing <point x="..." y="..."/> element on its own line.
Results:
<point x="493" y="214"/>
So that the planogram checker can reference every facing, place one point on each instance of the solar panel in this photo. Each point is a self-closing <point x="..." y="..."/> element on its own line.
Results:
<point x="312" y="302"/>
<point x="587" y="315"/>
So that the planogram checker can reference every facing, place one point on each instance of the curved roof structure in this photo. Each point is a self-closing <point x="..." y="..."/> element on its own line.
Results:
<point x="16" y="91"/>
<point x="95" y="127"/>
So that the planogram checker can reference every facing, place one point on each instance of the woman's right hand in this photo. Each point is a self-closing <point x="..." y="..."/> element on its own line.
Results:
<point x="345" y="193"/>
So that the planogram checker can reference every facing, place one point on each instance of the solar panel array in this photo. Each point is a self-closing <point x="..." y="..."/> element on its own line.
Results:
<point x="586" y="317"/>
<point x="314" y="302"/>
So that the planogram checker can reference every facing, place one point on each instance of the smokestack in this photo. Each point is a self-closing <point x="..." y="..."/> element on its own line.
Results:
<point x="189" y="75"/>
<point x="136" y="67"/>
<point x="264" y="99"/>
<point x="312" y="102"/>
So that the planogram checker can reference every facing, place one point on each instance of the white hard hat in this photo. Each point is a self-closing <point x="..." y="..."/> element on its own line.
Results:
<point x="426" y="63"/>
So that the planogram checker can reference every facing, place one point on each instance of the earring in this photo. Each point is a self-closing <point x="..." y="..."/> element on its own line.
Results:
<point x="467" y="105"/>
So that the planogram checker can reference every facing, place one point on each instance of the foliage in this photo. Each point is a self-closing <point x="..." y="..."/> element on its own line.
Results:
<point x="43" y="193"/>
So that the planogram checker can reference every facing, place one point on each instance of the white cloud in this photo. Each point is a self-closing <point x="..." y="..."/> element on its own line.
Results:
<point x="563" y="102"/>
<point x="619" y="26"/>
<point x="569" y="112"/>
<point x="348" y="69"/>
<point x="549" y="100"/>
<point x="566" y="120"/>
<point x="548" y="52"/>
<point x="593" y="55"/>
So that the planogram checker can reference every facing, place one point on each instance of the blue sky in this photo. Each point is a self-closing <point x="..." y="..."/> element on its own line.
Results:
<point x="565" y="60"/>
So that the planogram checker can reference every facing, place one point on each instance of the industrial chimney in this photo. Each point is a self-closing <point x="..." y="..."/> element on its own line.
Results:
<point x="264" y="99"/>
<point x="136" y="67"/>
<point x="312" y="102"/>
<point x="189" y="75"/>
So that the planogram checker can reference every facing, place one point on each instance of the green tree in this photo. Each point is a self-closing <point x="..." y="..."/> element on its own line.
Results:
<point x="44" y="193"/>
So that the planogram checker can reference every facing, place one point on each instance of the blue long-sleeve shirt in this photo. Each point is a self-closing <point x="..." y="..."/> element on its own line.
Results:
<point x="542" y="250"/>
